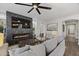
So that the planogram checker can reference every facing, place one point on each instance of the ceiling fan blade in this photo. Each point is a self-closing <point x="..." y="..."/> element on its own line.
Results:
<point x="30" y="10"/>
<point x="35" y="4"/>
<point x="38" y="10"/>
<point x="44" y="7"/>
<point x="23" y="4"/>
<point x="38" y="3"/>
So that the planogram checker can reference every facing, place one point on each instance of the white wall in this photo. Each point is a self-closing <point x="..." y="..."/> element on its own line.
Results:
<point x="39" y="26"/>
<point x="61" y="20"/>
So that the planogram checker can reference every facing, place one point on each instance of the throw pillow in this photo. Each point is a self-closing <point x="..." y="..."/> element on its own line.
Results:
<point x="16" y="51"/>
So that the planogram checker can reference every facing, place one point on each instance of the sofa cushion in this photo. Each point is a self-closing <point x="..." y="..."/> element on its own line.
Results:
<point x="59" y="51"/>
<point x="50" y="45"/>
<point x="16" y="51"/>
<point x="39" y="50"/>
<point x="62" y="48"/>
<point x="27" y="53"/>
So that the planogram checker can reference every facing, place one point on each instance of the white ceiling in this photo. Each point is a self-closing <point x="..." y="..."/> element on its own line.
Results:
<point x="58" y="10"/>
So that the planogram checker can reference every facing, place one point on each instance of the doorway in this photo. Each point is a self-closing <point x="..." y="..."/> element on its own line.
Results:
<point x="71" y="30"/>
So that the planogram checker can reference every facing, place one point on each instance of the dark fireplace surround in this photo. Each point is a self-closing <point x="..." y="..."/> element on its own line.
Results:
<point x="18" y="29"/>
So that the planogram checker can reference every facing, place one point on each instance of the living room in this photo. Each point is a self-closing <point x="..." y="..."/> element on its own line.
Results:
<point x="17" y="29"/>
<point x="31" y="27"/>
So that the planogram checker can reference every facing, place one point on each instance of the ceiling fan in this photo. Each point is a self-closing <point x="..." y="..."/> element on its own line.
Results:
<point x="34" y="6"/>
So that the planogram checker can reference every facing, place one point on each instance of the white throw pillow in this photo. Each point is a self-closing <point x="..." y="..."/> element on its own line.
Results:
<point x="50" y="45"/>
<point x="16" y="51"/>
<point x="39" y="50"/>
<point x="11" y="52"/>
<point x="27" y="53"/>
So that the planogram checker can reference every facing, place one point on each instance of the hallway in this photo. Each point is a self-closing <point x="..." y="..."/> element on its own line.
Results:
<point x="72" y="49"/>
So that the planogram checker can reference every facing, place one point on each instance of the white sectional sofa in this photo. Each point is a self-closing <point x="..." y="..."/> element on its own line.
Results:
<point x="51" y="47"/>
<point x="59" y="51"/>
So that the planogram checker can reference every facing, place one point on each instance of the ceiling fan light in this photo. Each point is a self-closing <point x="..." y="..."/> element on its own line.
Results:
<point x="35" y="6"/>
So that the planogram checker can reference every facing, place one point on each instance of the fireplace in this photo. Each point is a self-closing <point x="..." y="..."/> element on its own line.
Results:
<point x="22" y="38"/>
